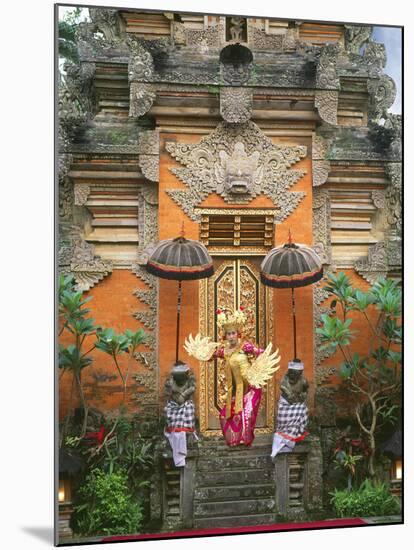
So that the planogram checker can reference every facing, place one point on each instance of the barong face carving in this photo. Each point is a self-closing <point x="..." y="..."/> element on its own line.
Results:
<point x="238" y="174"/>
<point x="239" y="162"/>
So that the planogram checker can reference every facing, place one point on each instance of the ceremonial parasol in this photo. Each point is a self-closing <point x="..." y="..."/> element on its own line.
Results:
<point x="291" y="266"/>
<point x="180" y="259"/>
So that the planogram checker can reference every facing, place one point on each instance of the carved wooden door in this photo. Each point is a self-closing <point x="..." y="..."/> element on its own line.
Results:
<point x="235" y="283"/>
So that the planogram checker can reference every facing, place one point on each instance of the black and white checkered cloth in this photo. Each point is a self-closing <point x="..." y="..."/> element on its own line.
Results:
<point x="180" y="416"/>
<point x="292" y="419"/>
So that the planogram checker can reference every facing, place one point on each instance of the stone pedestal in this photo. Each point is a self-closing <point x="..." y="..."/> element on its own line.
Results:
<point x="298" y="481"/>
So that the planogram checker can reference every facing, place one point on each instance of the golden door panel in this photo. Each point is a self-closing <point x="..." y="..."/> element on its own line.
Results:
<point x="235" y="283"/>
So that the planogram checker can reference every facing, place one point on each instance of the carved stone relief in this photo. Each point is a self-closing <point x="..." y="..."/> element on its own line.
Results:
<point x="260" y="40"/>
<point x="149" y="150"/>
<point x="356" y="36"/>
<point x="148" y="379"/>
<point x="178" y="32"/>
<point x="393" y="123"/>
<point x="238" y="161"/>
<point x="140" y="73"/>
<point x="320" y="166"/>
<point x="375" y="264"/>
<point x="81" y="191"/>
<point x="378" y="198"/>
<point x="382" y="93"/>
<point x="237" y="28"/>
<point x="76" y="256"/>
<point x="147" y="221"/>
<point x="66" y="195"/>
<point x="393" y="197"/>
<point x="141" y="98"/>
<point x="326" y="102"/>
<point x="211" y="37"/>
<point x="321" y="206"/>
<point x="375" y="54"/>
<point x="326" y="74"/>
<point x="236" y="103"/>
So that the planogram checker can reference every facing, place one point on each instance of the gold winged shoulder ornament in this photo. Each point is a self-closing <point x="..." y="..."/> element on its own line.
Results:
<point x="256" y="372"/>
<point x="202" y="348"/>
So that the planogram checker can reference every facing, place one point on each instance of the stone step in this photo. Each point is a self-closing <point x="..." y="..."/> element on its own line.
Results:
<point x="234" y="508"/>
<point x="234" y="521"/>
<point x="256" y="476"/>
<point x="233" y="462"/>
<point x="236" y="492"/>
<point x="262" y="450"/>
<point x="263" y="439"/>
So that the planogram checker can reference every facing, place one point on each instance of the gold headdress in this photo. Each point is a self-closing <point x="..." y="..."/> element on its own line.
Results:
<point x="227" y="319"/>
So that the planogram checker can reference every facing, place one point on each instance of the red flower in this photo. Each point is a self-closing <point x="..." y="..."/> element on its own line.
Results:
<point x="218" y="311"/>
<point x="241" y="308"/>
<point x="96" y="436"/>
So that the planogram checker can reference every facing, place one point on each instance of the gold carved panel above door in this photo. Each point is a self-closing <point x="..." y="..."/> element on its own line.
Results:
<point x="235" y="283"/>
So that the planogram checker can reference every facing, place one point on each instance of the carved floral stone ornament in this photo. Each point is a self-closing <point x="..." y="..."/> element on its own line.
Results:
<point x="320" y="166"/>
<point x="239" y="162"/>
<point x="236" y="103"/>
<point x="140" y="73"/>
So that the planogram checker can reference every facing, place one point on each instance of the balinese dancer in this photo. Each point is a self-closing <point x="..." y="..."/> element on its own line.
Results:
<point x="247" y="368"/>
<point x="292" y="415"/>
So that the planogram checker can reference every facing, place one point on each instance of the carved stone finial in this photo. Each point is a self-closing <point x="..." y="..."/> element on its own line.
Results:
<point x="375" y="54"/>
<point x="393" y="123"/>
<point x="382" y="92"/>
<point x="356" y="36"/>
<point x="237" y="25"/>
<point x="326" y="73"/>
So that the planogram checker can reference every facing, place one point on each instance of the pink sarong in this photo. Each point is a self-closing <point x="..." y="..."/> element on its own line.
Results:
<point x="239" y="428"/>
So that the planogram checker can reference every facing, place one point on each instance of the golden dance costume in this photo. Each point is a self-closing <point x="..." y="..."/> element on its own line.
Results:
<point x="247" y="369"/>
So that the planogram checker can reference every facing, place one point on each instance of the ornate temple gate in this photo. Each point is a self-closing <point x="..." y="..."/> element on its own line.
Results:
<point x="235" y="283"/>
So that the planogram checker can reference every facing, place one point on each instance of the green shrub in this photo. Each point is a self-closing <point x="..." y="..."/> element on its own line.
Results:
<point x="104" y="505"/>
<point x="368" y="500"/>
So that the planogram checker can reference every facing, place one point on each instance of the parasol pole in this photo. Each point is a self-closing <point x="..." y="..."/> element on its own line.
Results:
<point x="178" y="320"/>
<point x="293" y="307"/>
<point x="294" y="323"/>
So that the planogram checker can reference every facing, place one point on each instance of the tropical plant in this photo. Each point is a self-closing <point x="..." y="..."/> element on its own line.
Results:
<point x="348" y="462"/>
<point x="104" y="505"/>
<point x="124" y="447"/>
<point x="368" y="500"/>
<point x="73" y="318"/>
<point x="67" y="35"/>
<point x="116" y="344"/>
<point x="373" y="378"/>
